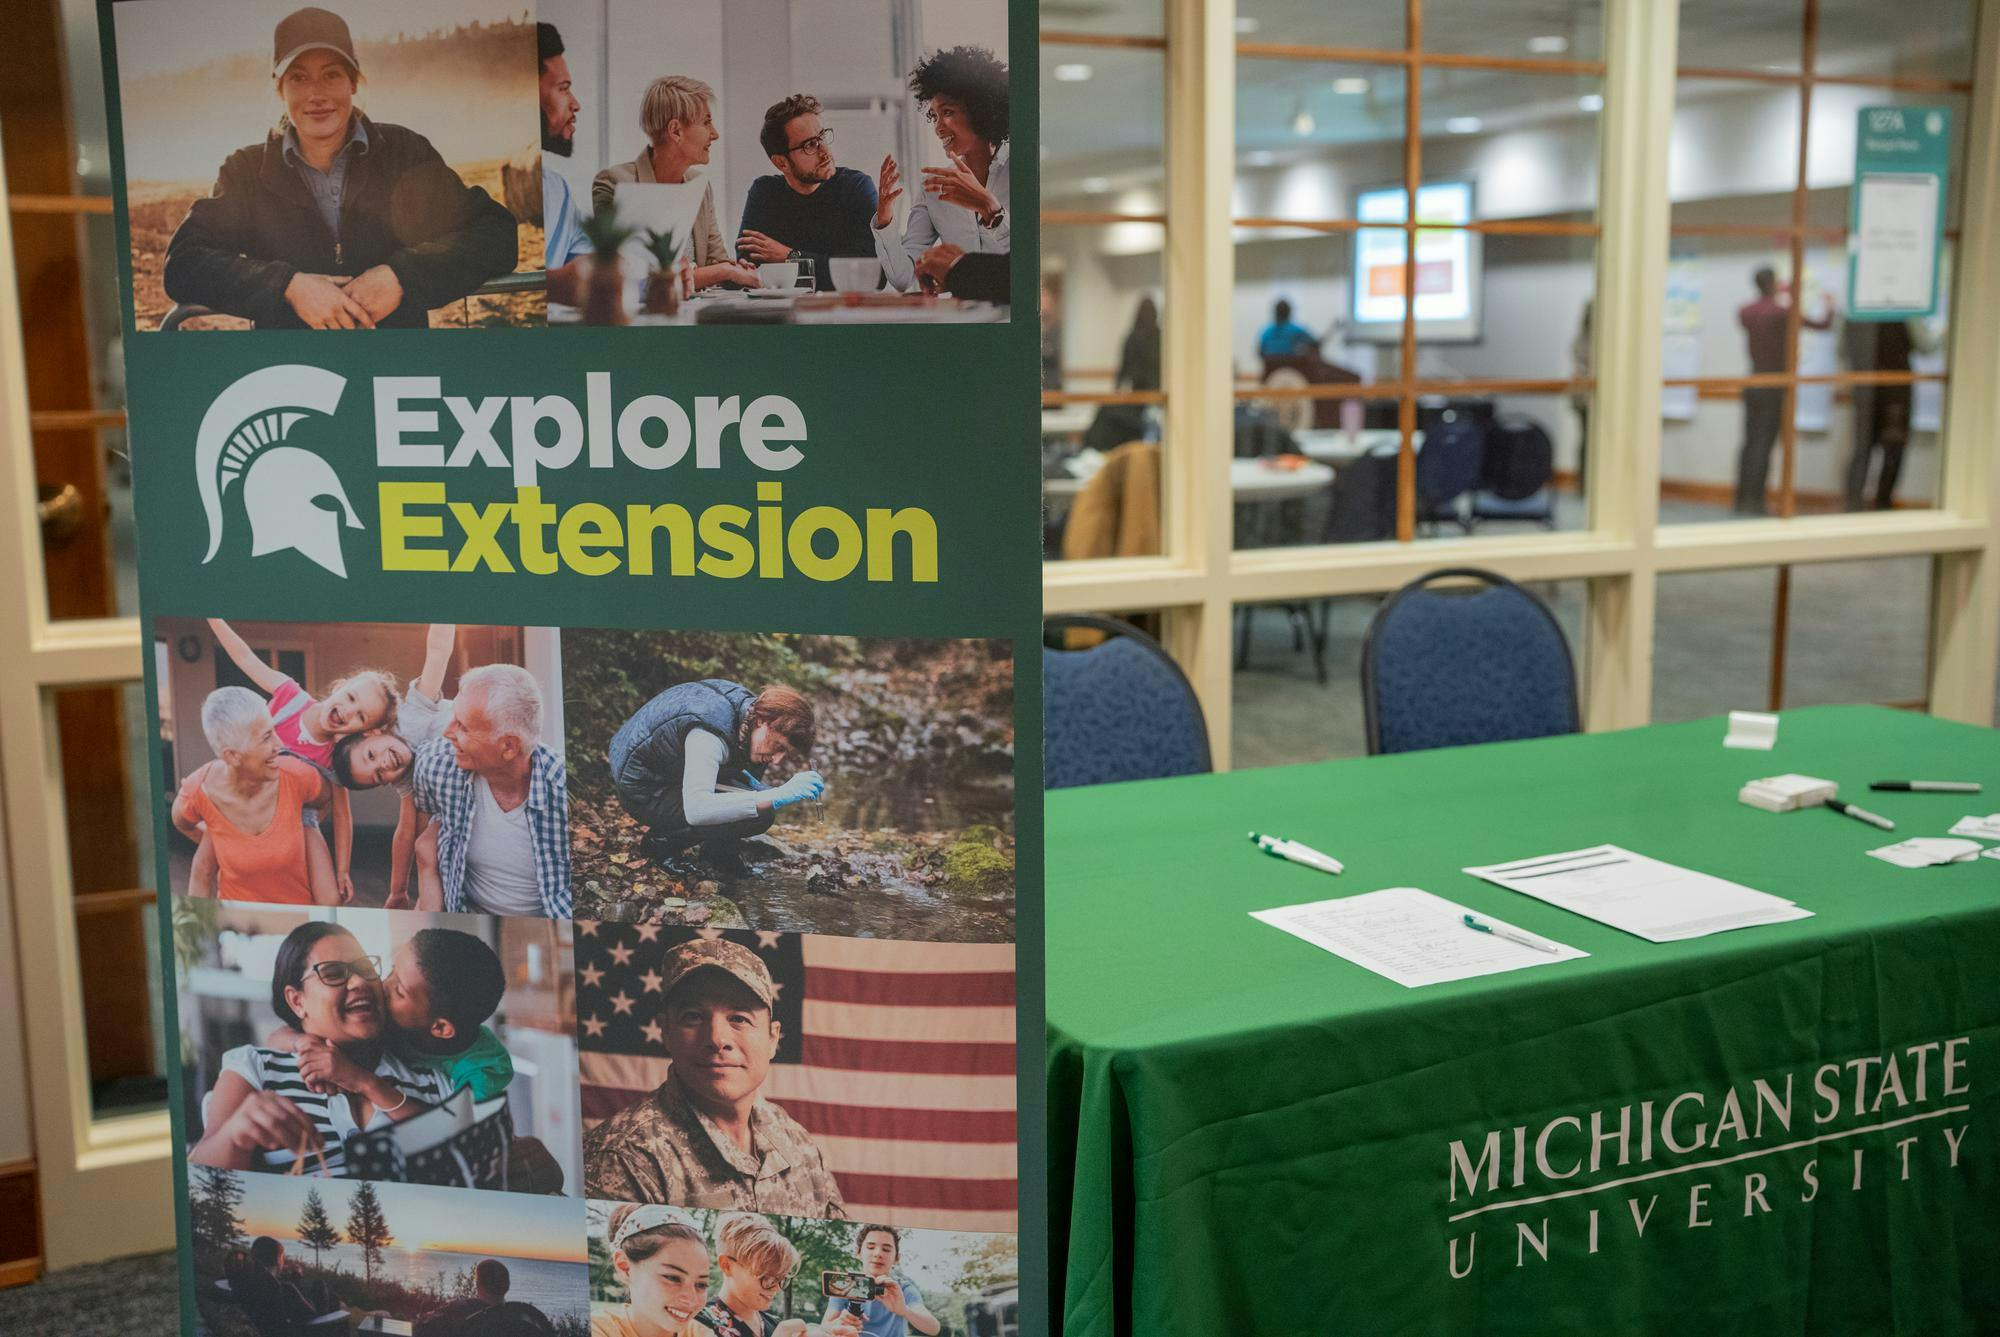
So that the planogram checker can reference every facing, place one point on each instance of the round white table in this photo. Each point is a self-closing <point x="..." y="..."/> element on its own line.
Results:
<point x="1250" y="480"/>
<point x="1333" y="445"/>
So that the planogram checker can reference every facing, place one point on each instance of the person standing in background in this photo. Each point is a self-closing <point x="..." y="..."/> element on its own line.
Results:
<point x="1764" y="332"/>
<point x="1881" y="412"/>
<point x="1139" y="361"/>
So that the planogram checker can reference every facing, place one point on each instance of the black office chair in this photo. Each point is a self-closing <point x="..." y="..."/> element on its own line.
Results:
<point x="1520" y="465"/>
<point x="1448" y="467"/>
<point x="1120" y="709"/>
<point x="1479" y="660"/>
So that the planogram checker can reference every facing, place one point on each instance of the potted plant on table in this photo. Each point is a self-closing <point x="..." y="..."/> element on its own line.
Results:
<point x="604" y="293"/>
<point x="661" y="293"/>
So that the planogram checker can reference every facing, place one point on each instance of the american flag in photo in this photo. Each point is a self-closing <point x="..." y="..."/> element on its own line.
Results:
<point x="898" y="1058"/>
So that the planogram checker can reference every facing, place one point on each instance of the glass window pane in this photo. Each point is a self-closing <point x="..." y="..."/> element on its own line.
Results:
<point x="1728" y="34"/>
<point x="1140" y="18"/>
<point x="1528" y="142"/>
<point x="106" y="772"/>
<point x="1516" y="29"/>
<point x="1103" y="129"/>
<point x="1859" y="632"/>
<point x="1370" y="25"/>
<point x="1734" y="156"/>
<point x="1095" y="280"/>
<point x="1296" y="692"/>
<point x="1712" y="642"/>
<point x="1924" y="39"/>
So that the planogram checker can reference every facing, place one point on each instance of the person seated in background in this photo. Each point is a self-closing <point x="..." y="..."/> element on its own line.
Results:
<point x="248" y="806"/>
<point x="1284" y="337"/>
<point x="690" y="763"/>
<point x="563" y="242"/>
<point x="274" y="1304"/>
<point x="963" y="92"/>
<point x="335" y="221"/>
<point x="487" y="1312"/>
<point x="441" y="989"/>
<point x="677" y="116"/>
<point x="813" y="209"/>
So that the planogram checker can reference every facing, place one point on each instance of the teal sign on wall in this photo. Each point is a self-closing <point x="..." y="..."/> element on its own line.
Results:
<point x="1895" y="227"/>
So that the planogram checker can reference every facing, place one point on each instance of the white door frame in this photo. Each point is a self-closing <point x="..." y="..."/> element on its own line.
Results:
<point x="105" y="1182"/>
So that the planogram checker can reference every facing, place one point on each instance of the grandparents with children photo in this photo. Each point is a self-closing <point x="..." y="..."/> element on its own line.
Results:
<point x="482" y="802"/>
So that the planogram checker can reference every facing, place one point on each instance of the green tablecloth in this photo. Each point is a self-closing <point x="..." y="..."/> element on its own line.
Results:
<point x="1254" y="1136"/>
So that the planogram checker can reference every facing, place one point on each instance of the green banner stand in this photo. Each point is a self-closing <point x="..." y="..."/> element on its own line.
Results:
<point x="1895" y="225"/>
<point x="598" y="707"/>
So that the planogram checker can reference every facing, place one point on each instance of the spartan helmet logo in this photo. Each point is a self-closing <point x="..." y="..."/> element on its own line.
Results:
<point x="242" y="437"/>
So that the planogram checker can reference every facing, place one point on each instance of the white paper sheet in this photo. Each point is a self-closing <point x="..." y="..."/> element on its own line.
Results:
<point x="1982" y="828"/>
<point x="1895" y="252"/>
<point x="1926" y="852"/>
<point x="1660" y="902"/>
<point x="1411" y="936"/>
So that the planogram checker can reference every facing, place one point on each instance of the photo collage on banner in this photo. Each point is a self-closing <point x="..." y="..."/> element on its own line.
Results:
<point x="638" y="967"/>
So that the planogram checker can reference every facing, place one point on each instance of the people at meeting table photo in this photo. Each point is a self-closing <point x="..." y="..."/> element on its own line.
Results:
<point x="335" y="220"/>
<point x="963" y="93"/>
<point x="811" y="209"/>
<point x="677" y="116"/>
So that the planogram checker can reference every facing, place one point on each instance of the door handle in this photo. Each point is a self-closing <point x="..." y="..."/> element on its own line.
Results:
<point x="60" y="510"/>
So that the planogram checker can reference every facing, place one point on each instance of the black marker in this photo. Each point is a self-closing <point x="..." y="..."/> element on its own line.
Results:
<point x="1860" y="814"/>
<point x="1928" y="786"/>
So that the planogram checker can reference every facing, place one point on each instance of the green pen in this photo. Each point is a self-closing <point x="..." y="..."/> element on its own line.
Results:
<point x="1481" y="926"/>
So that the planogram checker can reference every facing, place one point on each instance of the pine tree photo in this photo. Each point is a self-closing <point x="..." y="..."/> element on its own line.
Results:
<point x="316" y="1228"/>
<point x="368" y="1228"/>
<point x="214" y="1199"/>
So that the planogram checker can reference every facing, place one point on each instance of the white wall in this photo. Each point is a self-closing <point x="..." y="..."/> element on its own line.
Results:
<point x="648" y="38"/>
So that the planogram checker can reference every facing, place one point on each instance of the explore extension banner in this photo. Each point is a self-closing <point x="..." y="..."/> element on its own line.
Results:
<point x="590" y="560"/>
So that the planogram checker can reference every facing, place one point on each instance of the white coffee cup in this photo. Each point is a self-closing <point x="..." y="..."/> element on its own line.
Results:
<point x="855" y="273"/>
<point x="778" y="273"/>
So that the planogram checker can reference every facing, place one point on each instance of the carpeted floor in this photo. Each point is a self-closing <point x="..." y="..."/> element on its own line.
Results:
<point x="133" y="1297"/>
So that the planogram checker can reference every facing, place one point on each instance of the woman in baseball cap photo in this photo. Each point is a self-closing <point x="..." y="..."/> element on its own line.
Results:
<point x="335" y="220"/>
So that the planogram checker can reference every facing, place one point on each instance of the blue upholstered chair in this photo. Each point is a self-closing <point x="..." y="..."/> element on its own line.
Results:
<point x="1478" y="663"/>
<point x="1118" y="710"/>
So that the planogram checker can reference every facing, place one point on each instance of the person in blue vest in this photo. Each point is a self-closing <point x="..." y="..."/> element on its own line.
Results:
<point x="898" y="1309"/>
<point x="690" y="763"/>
